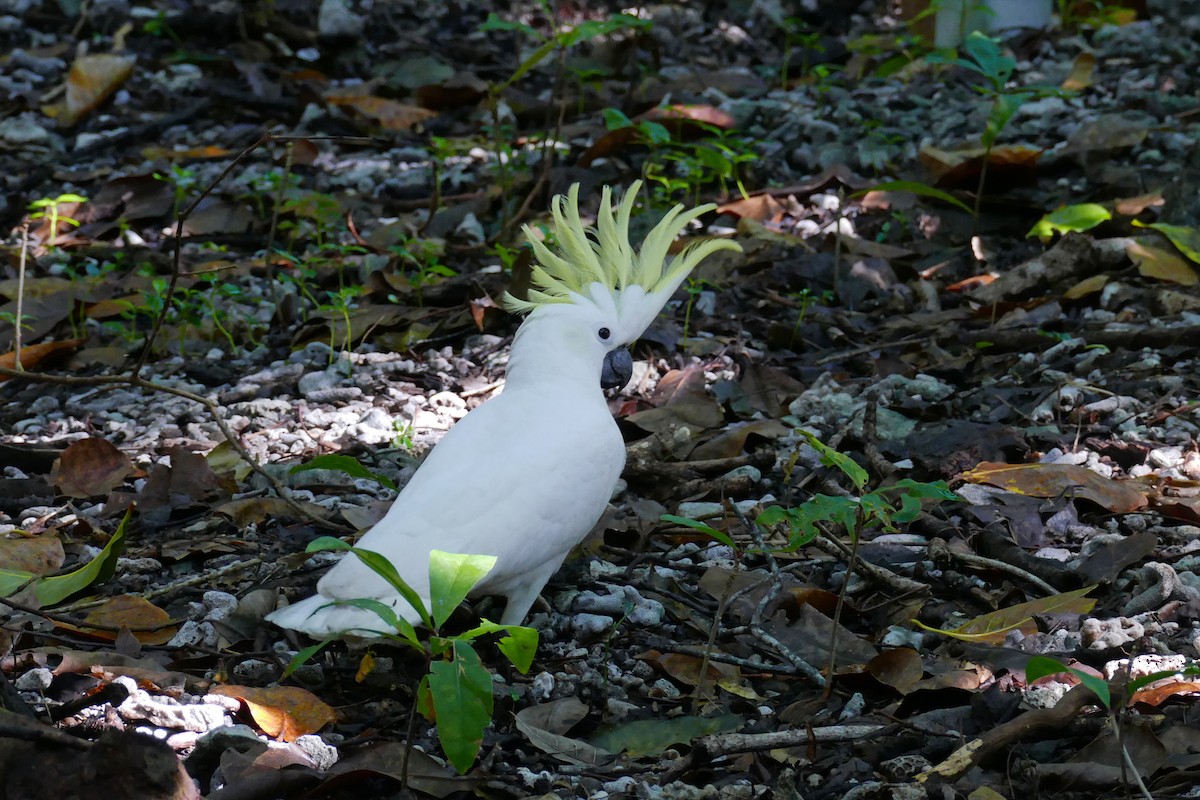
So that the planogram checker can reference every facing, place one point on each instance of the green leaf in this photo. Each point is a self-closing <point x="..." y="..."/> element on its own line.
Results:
<point x="1076" y="218"/>
<point x="389" y="617"/>
<point x="916" y="187"/>
<point x="302" y="657"/>
<point x="462" y="700"/>
<point x="1041" y="666"/>
<point x="519" y="645"/>
<point x="1003" y="109"/>
<point x="451" y="578"/>
<point x="380" y="565"/>
<point x="695" y="524"/>
<point x="345" y="464"/>
<point x="832" y="458"/>
<point x="495" y="23"/>
<point x="655" y="132"/>
<point x="991" y="60"/>
<point x="57" y="588"/>
<point x="614" y="119"/>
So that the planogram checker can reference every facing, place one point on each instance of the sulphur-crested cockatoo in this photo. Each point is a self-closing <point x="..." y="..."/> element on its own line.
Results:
<point x="525" y="476"/>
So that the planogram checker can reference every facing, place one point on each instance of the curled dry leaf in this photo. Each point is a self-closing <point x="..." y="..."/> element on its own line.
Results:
<point x="285" y="712"/>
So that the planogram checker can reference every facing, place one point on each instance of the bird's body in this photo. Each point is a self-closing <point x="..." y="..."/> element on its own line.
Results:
<point x="525" y="476"/>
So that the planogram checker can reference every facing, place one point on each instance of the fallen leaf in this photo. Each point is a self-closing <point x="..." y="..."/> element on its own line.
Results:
<point x="130" y="611"/>
<point x="1052" y="480"/>
<point x="994" y="626"/>
<point x="1161" y="264"/>
<point x="90" y="468"/>
<point x="91" y="81"/>
<point x="34" y="354"/>
<point x="284" y="712"/>
<point x="1082" y="70"/>
<point x="37" y="555"/>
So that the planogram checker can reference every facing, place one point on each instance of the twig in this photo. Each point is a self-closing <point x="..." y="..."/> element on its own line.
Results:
<point x="756" y="629"/>
<point x="939" y="551"/>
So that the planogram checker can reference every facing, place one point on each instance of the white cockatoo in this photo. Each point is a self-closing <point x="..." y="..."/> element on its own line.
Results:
<point x="525" y="476"/>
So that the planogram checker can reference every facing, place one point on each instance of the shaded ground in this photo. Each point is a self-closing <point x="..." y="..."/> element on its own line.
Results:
<point x="316" y="306"/>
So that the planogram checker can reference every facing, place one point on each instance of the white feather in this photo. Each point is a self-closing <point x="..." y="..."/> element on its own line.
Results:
<point x="525" y="476"/>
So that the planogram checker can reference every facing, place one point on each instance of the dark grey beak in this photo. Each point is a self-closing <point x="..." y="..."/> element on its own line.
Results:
<point x="618" y="369"/>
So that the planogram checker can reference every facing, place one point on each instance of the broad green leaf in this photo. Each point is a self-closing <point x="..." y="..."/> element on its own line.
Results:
<point x="615" y="119"/>
<point x="650" y="737"/>
<point x="451" y="578"/>
<point x="832" y="458"/>
<point x="1186" y="240"/>
<point x="519" y="645"/>
<point x="991" y="60"/>
<point x="655" y="132"/>
<point x="1076" y="218"/>
<point x="915" y="187"/>
<point x="993" y="626"/>
<point x="695" y="524"/>
<point x="347" y="465"/>
<point x="380" y="565"/>
<point x="1041" y="666"/>
<point x="57" y="588"/>
<point x="462" y="701"/>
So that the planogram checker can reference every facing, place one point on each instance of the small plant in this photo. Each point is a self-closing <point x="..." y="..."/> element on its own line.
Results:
<point x="675" y="167"/>
<point x="797" y="33"/>
<point x="694" y="288"/>
<point x="807" y="298"/>
<point x="183" y="182"/>
<point x="424" y="256"/>
<point x="885" y="506"/>
<point x="985" y="58"/>
<point x="456" y="689"/>
<point x="48" y="208"/>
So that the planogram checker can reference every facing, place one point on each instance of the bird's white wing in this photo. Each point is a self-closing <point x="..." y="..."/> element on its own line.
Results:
<point x="524" y="477"/>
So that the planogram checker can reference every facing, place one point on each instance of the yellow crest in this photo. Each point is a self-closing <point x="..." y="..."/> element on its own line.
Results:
<point x="604" y="255"/>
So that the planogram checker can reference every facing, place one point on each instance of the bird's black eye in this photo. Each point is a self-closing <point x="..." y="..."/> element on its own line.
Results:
<point x="605" y="333"/>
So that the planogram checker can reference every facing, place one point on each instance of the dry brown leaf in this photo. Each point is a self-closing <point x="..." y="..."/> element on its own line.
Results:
<point x="1132" y="206"/>
<point x="90" y="468"/>
<point x="1081" y="73"/>
<point x="994" y="626"/>
<point x="34" y="354"/>
<point x="389" y="114"/>
<point x="900" y="668"/>
<point x="285" y="712"/>
<point x="39" y="555"/>
<point x="1085" y="287"/>
<point x="1052" y="480"/>
<point x="1157" y="695"/>
<point x="91" y="81"/>
<point x="760" y="207"/>
<point x="131" y="611"/>
<point x="1161" y="263"/>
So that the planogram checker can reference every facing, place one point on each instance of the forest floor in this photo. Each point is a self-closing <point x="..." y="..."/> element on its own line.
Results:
<point x="952" y="375"/>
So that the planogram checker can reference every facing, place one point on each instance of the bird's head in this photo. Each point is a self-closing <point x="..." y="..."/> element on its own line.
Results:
<point x="598" y="292"/>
